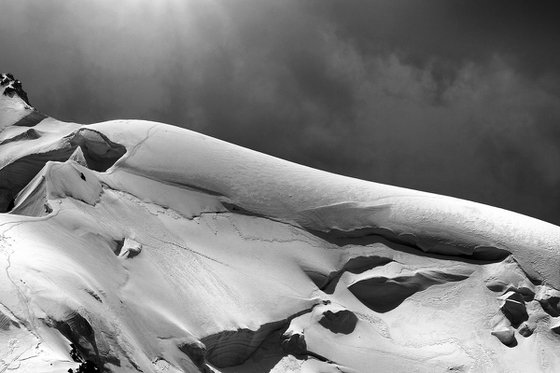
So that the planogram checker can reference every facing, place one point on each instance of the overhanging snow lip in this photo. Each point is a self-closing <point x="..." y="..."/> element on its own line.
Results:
<point x="100" y="154"/>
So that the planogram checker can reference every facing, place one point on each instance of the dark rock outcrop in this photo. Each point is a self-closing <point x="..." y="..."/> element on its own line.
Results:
<point x="13" y="86"/>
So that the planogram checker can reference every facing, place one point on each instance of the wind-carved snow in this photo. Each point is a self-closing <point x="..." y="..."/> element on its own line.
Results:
<point x="143" y="247"/>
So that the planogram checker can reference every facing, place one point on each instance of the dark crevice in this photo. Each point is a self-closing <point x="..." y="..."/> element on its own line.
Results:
<point x="99" y="152"/>
<point x="272" y="350"/>
<point x="354" y="265"/>
<point x="15" y="176"/>
<point x="412" y="245"/>
<point x="382" y="294"/>
<point x="342" y="321"/>
<point x="236" y="209"/>
<point x="82" y="336"/>
<point x="514" y="309"/>
<point x="30" y="134"/>
<point x="233" y="348"/>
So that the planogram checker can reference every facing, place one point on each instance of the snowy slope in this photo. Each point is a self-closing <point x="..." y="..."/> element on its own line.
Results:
<point x="157" y="249"/>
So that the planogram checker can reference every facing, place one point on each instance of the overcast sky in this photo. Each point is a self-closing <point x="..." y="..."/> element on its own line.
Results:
<point x="454" y="97"/>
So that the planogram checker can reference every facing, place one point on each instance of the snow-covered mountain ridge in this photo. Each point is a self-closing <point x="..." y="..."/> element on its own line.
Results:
<point x="157" y="249"/>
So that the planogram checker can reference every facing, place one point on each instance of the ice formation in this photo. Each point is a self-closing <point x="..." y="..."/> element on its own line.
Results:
<point x="139" y="246"/>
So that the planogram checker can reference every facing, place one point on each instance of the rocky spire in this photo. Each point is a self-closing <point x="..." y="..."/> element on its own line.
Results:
<point x="12" y="86"/>
<point x="15" y="108"/>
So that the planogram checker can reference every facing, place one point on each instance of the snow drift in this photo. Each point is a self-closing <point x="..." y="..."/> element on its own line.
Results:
<point x="138" y="246"/>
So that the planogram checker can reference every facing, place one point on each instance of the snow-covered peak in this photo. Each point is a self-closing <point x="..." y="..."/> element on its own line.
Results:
<point x="136" y="246"/>
<point x="15" y="108"/>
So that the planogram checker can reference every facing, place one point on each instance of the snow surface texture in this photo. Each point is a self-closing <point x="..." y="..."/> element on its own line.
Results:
<point x="144" y="247"/>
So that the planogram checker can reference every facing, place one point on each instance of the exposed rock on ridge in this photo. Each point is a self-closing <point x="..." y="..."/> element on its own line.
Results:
<point x="12" y="86"/>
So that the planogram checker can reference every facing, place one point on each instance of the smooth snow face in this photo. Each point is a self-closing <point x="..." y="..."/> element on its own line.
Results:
<point x="156" y="249"/>
<point x="329" y="203"/>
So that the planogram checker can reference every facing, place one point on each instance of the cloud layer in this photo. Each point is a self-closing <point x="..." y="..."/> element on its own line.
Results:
<point x="460" y="98"/>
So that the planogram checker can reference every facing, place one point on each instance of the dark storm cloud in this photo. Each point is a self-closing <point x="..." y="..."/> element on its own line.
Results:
<point x="455" y="97"/>
<point x="469" y="30"/>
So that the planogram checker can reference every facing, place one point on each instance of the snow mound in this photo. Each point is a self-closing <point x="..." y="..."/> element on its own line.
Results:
<point x="136" y="246"/>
